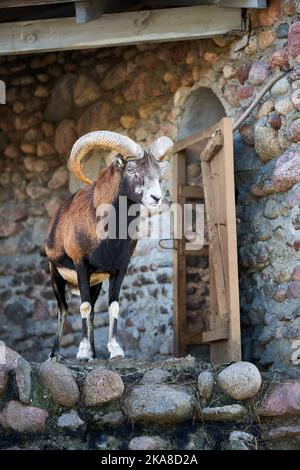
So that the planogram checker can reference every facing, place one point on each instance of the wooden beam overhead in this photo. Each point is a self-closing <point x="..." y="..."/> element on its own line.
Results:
<point x="117" y="29"/>
<point x="89" y="10"/>
<point x="163" y="3"/>
<point x="29" y="3"/>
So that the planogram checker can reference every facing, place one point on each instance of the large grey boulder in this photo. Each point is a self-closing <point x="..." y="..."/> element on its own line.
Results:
<point x="240" y="381"/>
<point x="159" y="404"/>
<point x="102" y="386"/>
<point x="60" y="382"/>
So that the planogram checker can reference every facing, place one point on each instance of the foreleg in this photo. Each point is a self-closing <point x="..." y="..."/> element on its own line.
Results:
<point x="85" y="352"/>
<point x="113" y="346"/>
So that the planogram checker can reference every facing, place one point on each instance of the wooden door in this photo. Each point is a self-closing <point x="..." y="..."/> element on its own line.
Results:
<point x="222" y="327"/>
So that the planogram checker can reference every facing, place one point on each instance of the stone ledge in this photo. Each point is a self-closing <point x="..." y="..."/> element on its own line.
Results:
<point x="175" y="404"/>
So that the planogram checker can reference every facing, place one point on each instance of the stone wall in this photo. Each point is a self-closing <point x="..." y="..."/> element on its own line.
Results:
<point x="143" y="91"/>
<point x="124" y="404"/>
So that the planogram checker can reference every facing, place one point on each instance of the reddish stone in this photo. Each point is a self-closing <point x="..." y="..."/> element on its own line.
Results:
<point x="138" y="86"/>
<point x="296" y="274"/>
<point x="59" y="178"/>
<point x="94" y="118"/>
<point x="293" y="291"/>
<point x="259" y="72"/>
<point x="65" y="136"/>
<point x="22" y="418"/>
<point x="294" y="39"/>
<point x="280" y="58"/>
<point x="283" y="400"/>
<point x="268" y="16"/>
<point x="245" y="92"/>
<point x="17" y="214"/>
<point x="231" y="95"/>
<point x="275" y="121"/>
<point x="287" y="170"/>
<point x="8" y="229"/>
<point x="242" y="72"/>
<point x="297" y="245"/>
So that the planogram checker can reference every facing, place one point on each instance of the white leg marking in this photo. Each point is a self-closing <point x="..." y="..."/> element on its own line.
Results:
<point x="115" y="349"/>
<point x="85" y="309"/>
<point x="84" y="351"/>
<point x="113" y="346"/>
<point x="114" y="309"/>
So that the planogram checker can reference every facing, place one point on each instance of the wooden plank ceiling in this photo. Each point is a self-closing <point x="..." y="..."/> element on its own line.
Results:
<point x="47" y="25"/>
<point x="87" y="10"/>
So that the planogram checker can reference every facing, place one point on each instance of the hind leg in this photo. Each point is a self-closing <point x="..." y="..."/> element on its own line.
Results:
<point x="59" y="288"/>
<point x="95" y="291"/>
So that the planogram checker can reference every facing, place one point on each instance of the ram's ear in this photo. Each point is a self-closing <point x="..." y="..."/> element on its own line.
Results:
<point x="119" y="162"/>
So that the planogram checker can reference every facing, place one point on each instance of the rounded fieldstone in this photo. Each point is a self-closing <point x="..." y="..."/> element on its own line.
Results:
<point x="85" y="92"/>
<point x="159" y="404"/>
<point x="147" y="443"/>
<point x="23" y="418"/>
<point x="266" y="141"/>
<point x="60" y="382"/>
<point x="70" y="421"/>
<point x="296" y="99"/>
<point x="259" y="72"/>
<point x="284" y="105"/>
<point x="282" y="30"/>
<point x="287" y="170"/>
<point x="205" y="385"/>
<point x="240" y="381"/>
<point x="22" y="371"/>
<point x="281" y="87"/>
<point x="224" y="413"/>
<point x="294" y="131"/>
<point x="102" y="386"/>
<point x="282" y="400"/>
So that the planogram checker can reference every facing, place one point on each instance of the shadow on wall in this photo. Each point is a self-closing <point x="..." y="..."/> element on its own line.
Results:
<point x="202" y="110"/>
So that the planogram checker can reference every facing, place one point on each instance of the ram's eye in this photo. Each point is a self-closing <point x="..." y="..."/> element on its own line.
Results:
<point x="131" y="172"/>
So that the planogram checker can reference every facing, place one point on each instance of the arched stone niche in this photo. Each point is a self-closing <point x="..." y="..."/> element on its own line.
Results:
<point x="202" y="109"/>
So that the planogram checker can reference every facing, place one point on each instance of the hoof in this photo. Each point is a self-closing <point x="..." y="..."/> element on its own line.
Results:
<point x="84" y="351"/>
<point x="115" y="350"/>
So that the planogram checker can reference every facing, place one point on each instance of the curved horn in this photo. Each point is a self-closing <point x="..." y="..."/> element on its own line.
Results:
<point x="160" y="147"/>
<point x="103" y="140"/>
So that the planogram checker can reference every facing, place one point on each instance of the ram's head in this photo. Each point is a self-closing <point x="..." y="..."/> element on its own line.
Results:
<point x="140" y="168"/>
